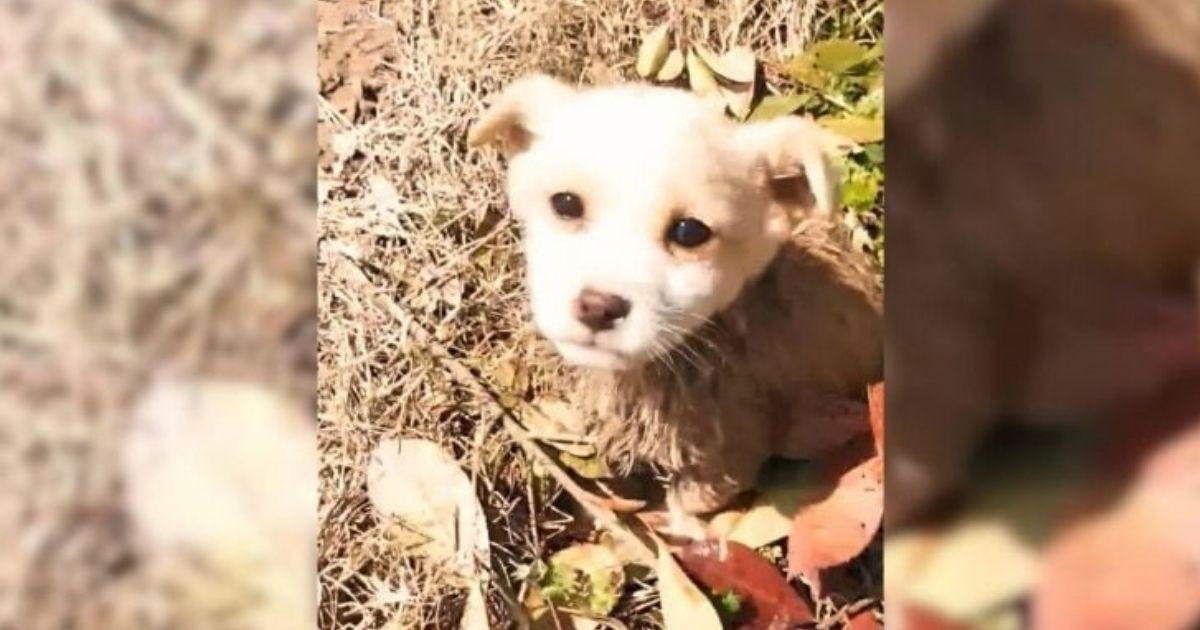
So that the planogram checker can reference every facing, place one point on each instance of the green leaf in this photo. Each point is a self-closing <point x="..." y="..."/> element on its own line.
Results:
<point x="876" y="51"/>
<point x="653" y="51"/>
<point x="587" y="467"/>
<point x="776" y="105"/>
<point x="859" y="193"/>
<point x="838" y="55"/>
<point x="857" y="128"/>
<point x="874" y="153"/>
<point x="728" y="606"/>
<point x="803" y="69"/>
<point x="586" y="577"/>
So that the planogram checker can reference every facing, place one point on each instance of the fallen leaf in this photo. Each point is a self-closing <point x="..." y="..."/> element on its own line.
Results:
<point x="585" y="577"/>
<point x="776" y="105"/>
<point x="950" y="583"/>
<point x="904" y="554"/>
<point x="875" y="407"/>
<point x="475" y="615"/>
<point x="1138" y="562"/>
<point x="917" y="618"/>
<point x="653" y="51"/>
<point x="226" y="473"/>
<point x="860" y="129"/>
<point x="700" y="76"/>
<point x="543" y="616"/>
<point x="421" y="485"/>
<point x="672" y="67"/>
<point x="836" y="529"/>
<point x="592" y="467"/>
<point x="768" y="600"/>
<point x="838" y="55"/>
<point x="684" y="605"/>
<point x="783" y="486"/>
<point x="735" y="66"/>
<point x="738" y="98"/>
<point x="803" y="69"/>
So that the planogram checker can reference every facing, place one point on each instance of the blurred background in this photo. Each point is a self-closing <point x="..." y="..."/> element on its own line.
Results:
<point x="1043" y="321"/>
<point x="157" y="313"/>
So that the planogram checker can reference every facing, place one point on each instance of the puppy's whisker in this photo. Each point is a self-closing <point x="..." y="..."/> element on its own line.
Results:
<point x="686" y="342"/>
<point x="678" y="344"/>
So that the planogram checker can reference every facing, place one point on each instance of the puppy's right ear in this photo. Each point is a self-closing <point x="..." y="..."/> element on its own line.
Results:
<point x="513" y="120"/>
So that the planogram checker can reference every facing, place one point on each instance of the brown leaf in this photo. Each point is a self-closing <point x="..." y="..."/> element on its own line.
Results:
<point x="722" y="567"/>
<point x="836" y="529"/>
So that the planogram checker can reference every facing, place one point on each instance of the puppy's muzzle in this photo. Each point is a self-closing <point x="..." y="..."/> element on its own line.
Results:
<point x="599" y="311"/>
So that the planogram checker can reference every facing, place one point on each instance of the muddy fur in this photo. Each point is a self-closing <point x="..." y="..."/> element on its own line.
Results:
<point x="781" y="372"/>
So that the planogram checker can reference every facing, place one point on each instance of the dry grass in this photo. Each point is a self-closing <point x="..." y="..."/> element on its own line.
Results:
<point x="157" y="216"/>
<point x="415" y="237"/>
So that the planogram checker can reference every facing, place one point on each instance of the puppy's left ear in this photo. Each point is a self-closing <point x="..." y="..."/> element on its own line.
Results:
<point x="513" y="120"/>
<point x="797" y="157"/>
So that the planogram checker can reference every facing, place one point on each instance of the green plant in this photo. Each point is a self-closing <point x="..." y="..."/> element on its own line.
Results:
<point x="838" y="81"/>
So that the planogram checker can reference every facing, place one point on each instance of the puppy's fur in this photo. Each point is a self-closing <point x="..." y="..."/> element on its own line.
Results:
<point x="758" y="342"/>
<point x="1043" y="227"/>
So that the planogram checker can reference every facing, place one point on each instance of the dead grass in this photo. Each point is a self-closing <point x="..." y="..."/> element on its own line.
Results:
<point x="415" y="235"/>
<point x="157" y="216"/>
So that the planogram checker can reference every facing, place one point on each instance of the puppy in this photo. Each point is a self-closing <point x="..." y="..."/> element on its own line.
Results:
<point x="688" y="265"/>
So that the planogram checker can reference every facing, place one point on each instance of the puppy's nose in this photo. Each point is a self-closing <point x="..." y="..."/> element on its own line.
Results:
<point x="599" y="311"/>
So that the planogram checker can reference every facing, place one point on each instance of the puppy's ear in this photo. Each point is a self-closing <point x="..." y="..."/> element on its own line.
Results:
<point x="797" y="156"/>
<point x="512" y="121"/>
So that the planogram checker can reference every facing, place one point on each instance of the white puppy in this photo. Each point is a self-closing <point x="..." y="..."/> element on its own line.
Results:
<point x="648" y="217"/>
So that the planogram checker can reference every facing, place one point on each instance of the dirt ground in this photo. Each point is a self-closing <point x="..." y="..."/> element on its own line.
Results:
<point x="421" y="297"/>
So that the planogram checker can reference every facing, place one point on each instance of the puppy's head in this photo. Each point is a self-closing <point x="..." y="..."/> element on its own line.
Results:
<point x="646" y="211"/>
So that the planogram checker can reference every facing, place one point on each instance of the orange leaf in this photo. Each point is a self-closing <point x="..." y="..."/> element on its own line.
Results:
<point x="917" y="618"/>
<point x="836" y="529"/>
<point x="1138" y="561"/>
<point x="875" y="398"/>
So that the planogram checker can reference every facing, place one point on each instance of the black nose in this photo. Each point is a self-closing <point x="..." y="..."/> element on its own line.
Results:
<point x="600" y="311"/>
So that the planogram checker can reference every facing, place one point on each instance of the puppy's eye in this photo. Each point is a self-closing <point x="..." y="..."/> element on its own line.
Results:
<point x="567" y="205"/>
<point x="689" y="233"/>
